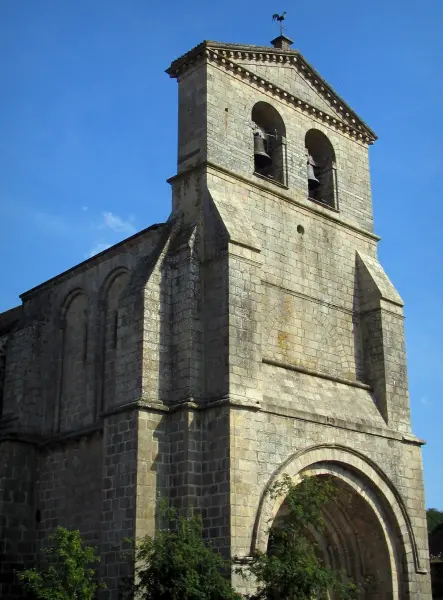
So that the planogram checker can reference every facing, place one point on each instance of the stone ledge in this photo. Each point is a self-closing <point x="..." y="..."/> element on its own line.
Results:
<point x="300" y="415"/>
<point x="303" y="296"/>
<point x="189" y="403"/>
<point x="410" y="438"/>
<point x="305" y="371"/>
<point x="272" y="181"/>
<point x="238" y="401"/>
<point x="72" y="436"/>
<point x="134" y="405"/>
<point x="310" y="207"/>
<point x="41" y="441"/>
<point x="207" y="403"/>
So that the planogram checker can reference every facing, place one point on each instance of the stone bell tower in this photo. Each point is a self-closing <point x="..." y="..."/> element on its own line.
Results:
<point x="252" y="335"/>
<point x="291" y="345"/>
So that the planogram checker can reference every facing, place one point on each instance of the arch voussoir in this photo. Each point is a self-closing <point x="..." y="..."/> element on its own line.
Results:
<point x="367" y="481"/>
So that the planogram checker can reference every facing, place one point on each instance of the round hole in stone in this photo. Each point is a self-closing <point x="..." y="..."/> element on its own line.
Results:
<point x="300" y="229"/>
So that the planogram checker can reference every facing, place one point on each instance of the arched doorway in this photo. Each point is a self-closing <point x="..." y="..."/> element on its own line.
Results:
<point x="352" y="541"/>
<point x="377" y="522"/>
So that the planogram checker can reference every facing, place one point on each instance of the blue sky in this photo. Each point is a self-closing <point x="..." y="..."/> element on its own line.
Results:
<point x="88" y="139"/>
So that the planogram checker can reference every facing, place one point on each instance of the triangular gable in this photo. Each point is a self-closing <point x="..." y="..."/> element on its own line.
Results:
<point x="287" y="78"/>
<point x="294" y="77"/>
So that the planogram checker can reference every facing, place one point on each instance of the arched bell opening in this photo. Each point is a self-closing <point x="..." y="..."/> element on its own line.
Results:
<point x="321" y="171"/>
<point x="269" y="143"/>
<point x="352" y="542"/>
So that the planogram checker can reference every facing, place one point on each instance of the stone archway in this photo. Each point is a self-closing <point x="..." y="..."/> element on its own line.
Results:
<point x="368" y="533"/>
<point x="353" y="540"/>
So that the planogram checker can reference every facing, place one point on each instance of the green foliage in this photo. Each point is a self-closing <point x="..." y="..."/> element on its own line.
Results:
<point x="70" y="575"/>
<point x="177" y="564"/>
<point x="291" y="568"/>
<point x="434" y="517"/>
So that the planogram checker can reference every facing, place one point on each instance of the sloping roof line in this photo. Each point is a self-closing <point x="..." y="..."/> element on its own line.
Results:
<point x="9" y="318"/>
<point x="268" y="54"/>
<point x="93" y="260"/>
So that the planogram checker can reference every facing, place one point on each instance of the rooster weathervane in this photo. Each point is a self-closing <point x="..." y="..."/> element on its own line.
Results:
<point x="279" y="19"/>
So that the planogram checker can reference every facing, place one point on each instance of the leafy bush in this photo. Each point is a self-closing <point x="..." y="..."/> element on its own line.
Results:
<point x="434" y="518"/>
<point x="177" y="564"/>
<point x="70" y="574"/>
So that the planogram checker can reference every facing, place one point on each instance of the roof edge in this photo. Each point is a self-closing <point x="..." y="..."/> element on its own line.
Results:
<point x="92" y="259"/>
<point x="9" y="318"/>
<point x="263" y="54"/>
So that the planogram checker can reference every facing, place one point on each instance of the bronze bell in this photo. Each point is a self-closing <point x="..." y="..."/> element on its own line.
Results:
<point x="262" y="158"/>
<point x="313" y="182"/>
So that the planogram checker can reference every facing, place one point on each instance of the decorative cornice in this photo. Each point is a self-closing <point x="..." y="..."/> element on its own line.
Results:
<point x="224" y="55"/>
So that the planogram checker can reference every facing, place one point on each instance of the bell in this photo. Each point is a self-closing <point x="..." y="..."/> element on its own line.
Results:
<point x="262" y="158"/>
<point x="313" y="182"/>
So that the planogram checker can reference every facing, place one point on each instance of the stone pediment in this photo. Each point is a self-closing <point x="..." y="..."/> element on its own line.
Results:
<point x="287" y="77"/>
<point x="285" y="73"/>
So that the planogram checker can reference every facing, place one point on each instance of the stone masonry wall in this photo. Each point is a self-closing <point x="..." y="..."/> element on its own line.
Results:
<point x="66" y="466"/>
<point x="118" y="508"/>
<point x="154" y="466"/>
<point x="73" y="412"/>
<point x="3" y="346"/>
<point x="69" y="487"/>
<point x="311" y="334"/>
<point x="23" y="394"/>
<point x="35" y="350"/>
<point x="264" y="441"/>
<point x="309" y="287"/>
<point x="109" y="339"/>
<point x="192" y="126"/>
<point x="17" y="513"/>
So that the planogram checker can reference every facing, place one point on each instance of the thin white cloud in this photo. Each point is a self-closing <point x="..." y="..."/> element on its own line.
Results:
<point x="117" y="224"/>
<point x="83" y="227"/>
<point x="97" y="249"/>
<point x="53" y="223"/>
<point x="424" y="401"/>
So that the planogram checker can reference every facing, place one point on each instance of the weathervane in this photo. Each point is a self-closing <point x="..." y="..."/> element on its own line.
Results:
<point x="280" y="19"/>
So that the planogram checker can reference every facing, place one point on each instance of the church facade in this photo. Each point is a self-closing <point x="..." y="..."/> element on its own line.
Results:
<point x="252" y="335"/>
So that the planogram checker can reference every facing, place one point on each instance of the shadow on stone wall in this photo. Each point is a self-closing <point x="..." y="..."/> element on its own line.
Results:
<point x="356" y="323"/>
